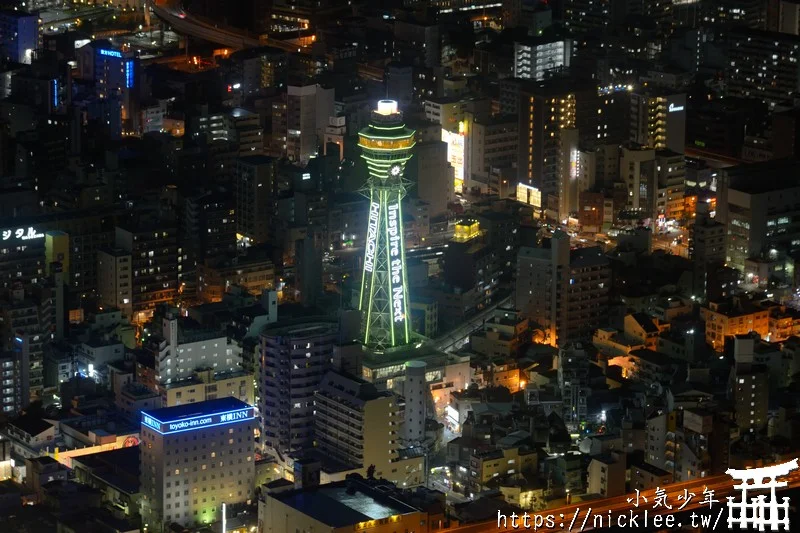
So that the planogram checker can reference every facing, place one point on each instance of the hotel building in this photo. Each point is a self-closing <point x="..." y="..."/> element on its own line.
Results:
<point x="194" y="459"/>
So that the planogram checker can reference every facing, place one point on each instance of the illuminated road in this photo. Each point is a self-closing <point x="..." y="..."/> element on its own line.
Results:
<point x="721" y="485"/>
<point x="664" y="242"/>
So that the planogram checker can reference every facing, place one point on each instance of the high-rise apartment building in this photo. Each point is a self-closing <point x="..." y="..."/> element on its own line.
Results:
<point x="489" y="142"/>
<point x="545" y="109"/>
<point x="750" y="387"/>
<point x="19" y="35"/>
<point x="573" y="381"/>
<point x="658" y="119"/>
<point x="763" y="65"/>
<point x="706" y="247"/>
<point x="757" y="203"/>
<point x="300" y="120"/>
<point x="255" y="200"/>
<point x="185" y="346"/>
<point x="655" y="180"/>
<point x="535" y="56"/>
<point x="195" y="458"/>
<point x="155" y="257"/>
<point x="564" y="291"/>
<point x="15" y="370"/>
<point x="293" y="359"/>
<point x="360" y="427"/>
<point x="114" y="279"/>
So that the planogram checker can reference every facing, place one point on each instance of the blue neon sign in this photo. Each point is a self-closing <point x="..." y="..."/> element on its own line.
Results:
<point x="129" y="73"/>
<point x="148" y="420"/>
<point x="197" y="422"/>
<point x="55" y="93"/>
<point x="110" y="53"/>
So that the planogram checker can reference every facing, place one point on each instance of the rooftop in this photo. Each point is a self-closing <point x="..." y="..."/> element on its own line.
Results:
<point x="343" y="504"/>
<point x="32" y="425"/>
<point x="209" y="407"/>
<point x="764" y="177"/>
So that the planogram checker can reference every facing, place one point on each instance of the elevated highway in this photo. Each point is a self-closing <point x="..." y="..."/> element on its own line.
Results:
<point x="186" y="24"/>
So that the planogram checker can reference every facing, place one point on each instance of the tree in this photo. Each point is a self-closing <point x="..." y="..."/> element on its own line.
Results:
<point x="371" y="472"/>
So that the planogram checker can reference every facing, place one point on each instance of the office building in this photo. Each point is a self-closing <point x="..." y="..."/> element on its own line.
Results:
<point x="536" y="56"/>
<point x="658" y="119"/>
<point x="763" y="65"/>
<point x="194" y="459"/>
<point x="293" y="359"/>
<point x="756" y="202"/>
<point x="254" y="191"/>
<point x="19" y="35"/>
<point x="563" y="291"/>
<point x="358" y="427"/>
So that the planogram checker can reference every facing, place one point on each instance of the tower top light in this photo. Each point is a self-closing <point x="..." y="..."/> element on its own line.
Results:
<point x="387" y="107"/>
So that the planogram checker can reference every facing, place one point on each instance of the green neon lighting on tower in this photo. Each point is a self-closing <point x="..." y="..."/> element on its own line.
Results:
<point x="384" y="285"/>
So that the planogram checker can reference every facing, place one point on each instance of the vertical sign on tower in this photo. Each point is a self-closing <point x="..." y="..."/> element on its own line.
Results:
<point x="386" y="145"/>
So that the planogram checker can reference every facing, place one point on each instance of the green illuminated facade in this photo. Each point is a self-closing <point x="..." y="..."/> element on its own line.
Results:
<point x="386" y="147"/>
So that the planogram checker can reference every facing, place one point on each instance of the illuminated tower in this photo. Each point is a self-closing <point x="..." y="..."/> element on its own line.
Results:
<point x="386" y="147"/>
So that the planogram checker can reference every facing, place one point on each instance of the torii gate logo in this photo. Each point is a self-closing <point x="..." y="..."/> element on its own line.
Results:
<point x="758" y="511"/>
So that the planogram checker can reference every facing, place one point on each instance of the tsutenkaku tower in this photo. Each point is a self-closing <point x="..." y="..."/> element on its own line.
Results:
<point x="386" y="146"/>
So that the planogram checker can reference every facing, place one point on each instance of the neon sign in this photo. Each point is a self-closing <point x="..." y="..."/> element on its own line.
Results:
<point x="21" y="234"/>
<point x="110" y="53"/>
<point x="197" y="422"/>
<point x="674" y="108"/>
<point x="395" y="263"/>
<point x="151" y="422"/>
<point x="372" y="236"/>
<point x="129" y="73"/>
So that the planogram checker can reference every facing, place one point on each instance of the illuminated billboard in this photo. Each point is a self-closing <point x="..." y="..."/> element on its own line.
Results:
<point x="455" y="153"/>
<point x="529" y="195"/>
<point x="197" y="422"/>
<point x="22" y="234"/>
